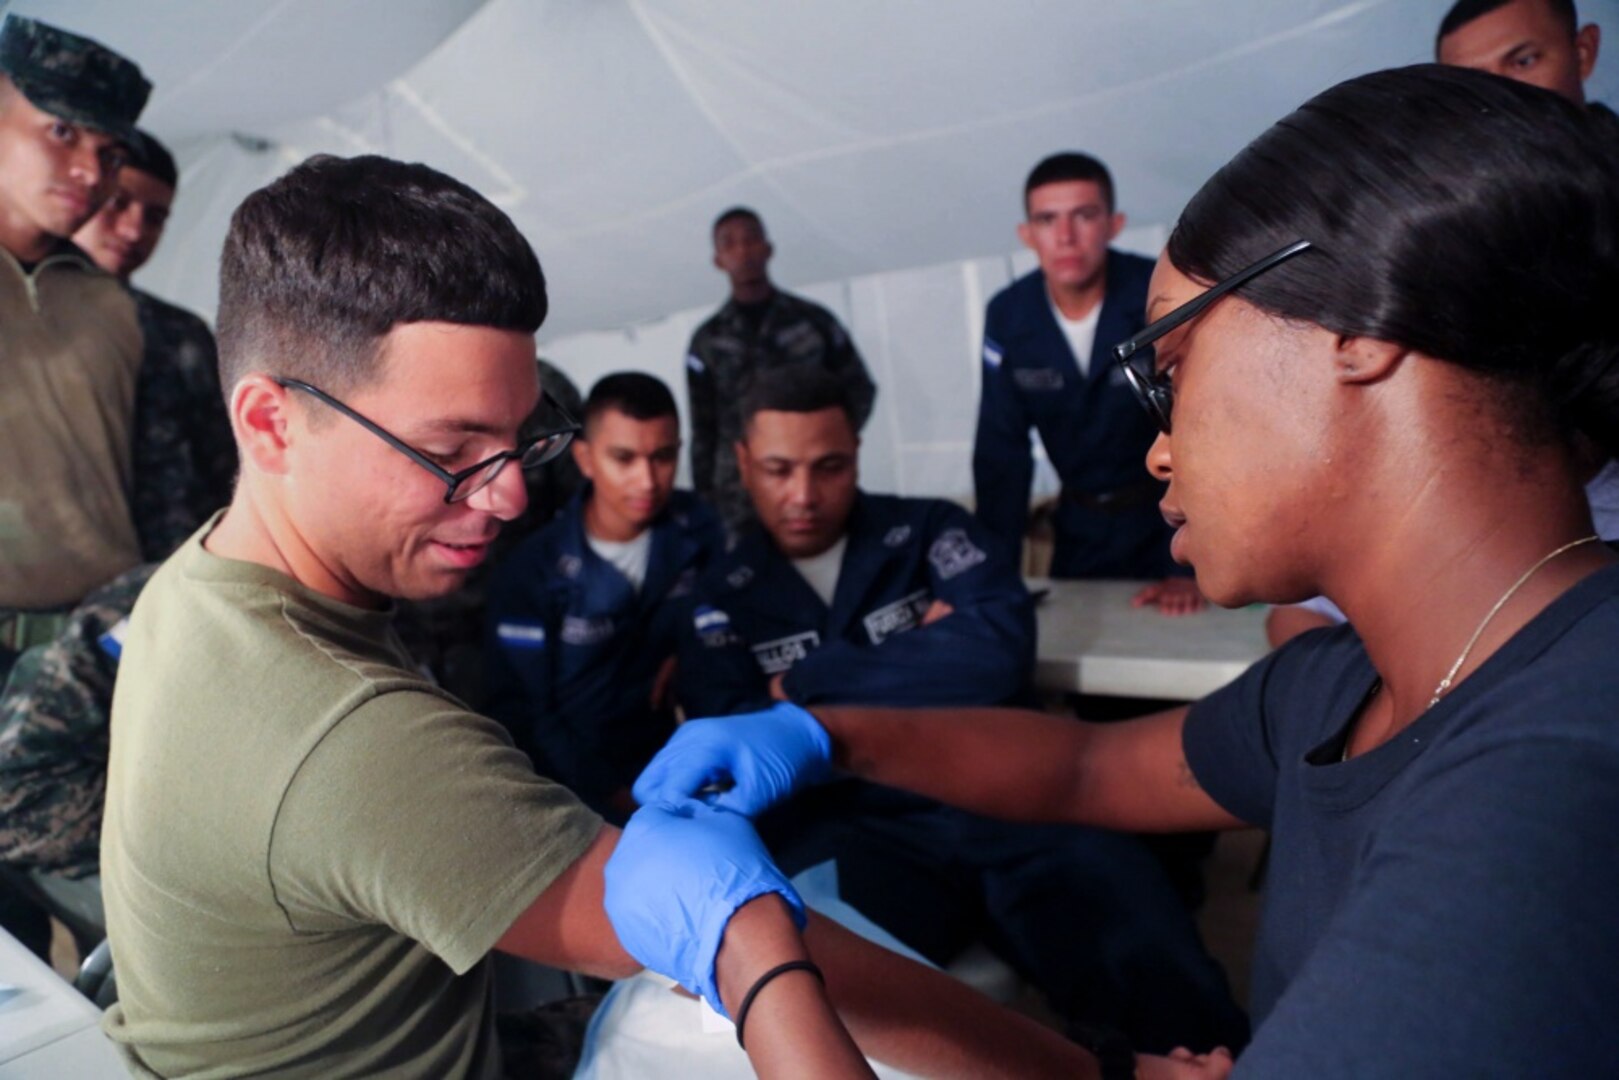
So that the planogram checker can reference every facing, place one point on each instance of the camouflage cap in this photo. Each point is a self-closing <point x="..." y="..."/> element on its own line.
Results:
<point x="72" y="77"/>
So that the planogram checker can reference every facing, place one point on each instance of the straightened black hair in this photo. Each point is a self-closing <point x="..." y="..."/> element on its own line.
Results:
<point x="322" y="263"/>
<point x="1067" y="166"/>
<point x="1472" y="218"/>
<point x="795" y="388"/>
<point x="737" y="213"/>
<point x="634" y="393"/>
<point x="1463" y="12"/>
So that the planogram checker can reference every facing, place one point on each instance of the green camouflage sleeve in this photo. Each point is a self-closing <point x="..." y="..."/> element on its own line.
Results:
<point x="184" y="453"/>
<point x="54" y="718"/>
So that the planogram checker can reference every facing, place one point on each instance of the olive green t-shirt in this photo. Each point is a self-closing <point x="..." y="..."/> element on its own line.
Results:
<point x="309" y="850"/>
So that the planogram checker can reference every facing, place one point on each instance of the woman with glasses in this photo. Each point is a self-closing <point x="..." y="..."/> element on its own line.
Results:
<point x="1384" y="351"/>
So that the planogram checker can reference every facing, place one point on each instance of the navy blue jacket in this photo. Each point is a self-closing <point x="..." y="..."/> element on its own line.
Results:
<point x="574" y="649"/>
<point x="756" y="616"/>
<point x="1093" y="429"/>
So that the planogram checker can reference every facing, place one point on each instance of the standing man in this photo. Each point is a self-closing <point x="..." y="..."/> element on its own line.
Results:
<point x="1539" y="42"/>
<point x="1048" y="365"/>
<point x="760" y="327"/>
<point x="70" y="341"/>
<point x="585" y="615"/>
<point x="121" y="237"/>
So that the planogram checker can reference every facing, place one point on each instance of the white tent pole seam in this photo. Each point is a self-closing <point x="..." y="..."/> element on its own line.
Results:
<point x="165" y="96"/>
<point x="678" y="70"/>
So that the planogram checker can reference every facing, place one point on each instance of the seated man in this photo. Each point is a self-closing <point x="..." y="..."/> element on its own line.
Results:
<point x="309" y="850"/>
<point x="843" y="597"/>
<point x="585" y="615"/>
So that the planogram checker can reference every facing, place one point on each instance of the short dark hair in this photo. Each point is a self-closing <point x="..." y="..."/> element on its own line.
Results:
<point x="322" y="263"/>
<point x="737" y="213"/>
<point x="1066" y="166"/>
<point x="1468" y="217"/>
<point x="151" y="157"/>
<point x="636" y="394"/>
<point x="795" y="388"/>
<point x="1463" y="12"/>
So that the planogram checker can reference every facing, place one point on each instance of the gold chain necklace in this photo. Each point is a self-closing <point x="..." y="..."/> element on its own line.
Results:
<point x="1445" y="683"/>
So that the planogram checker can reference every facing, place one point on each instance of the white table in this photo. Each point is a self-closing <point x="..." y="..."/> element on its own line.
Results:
<point x="47" y="1028"/>
<point x="1093" y="642"/>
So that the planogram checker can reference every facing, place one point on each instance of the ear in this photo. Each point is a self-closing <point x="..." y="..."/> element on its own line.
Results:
<point x="1586" y="44"/>
<point x="1115" y="227"/>
<point x="1360" y="360"/>
<point x="744" y="463"/>
<point x="717" y="265"/>
<point x="261" y="419"/>
<point x="1025" y="235"/>
<point x="580" y="449"/>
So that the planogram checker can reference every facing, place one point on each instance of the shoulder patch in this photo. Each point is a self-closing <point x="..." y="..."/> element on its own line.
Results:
<point x="897" y="536"/>
<point x="992" y="354"/>
<point x="112" y="642"/>
<point x="516" y="634"/>
<point x="954" y="553"/>
<point x="713" y="627"/>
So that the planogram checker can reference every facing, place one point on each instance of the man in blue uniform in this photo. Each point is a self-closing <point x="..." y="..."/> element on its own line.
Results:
<point x="584" y="615"/>
<point x="843" y="597"/>
<point x="1047" y="365"/>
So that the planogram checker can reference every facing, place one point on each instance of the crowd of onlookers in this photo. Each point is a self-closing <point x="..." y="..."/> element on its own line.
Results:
<point x="598" y="608"/>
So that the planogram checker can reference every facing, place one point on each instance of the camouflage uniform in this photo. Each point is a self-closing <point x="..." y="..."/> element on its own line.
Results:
<point x="185" y="455"/>
<point x="726" y="351"/>
<point x="80" y="81"/>
<point x="54" y="722"/>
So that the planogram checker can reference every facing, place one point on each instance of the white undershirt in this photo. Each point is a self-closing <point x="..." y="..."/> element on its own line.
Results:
<point x="629" y="557"/>
<point x="822" y="571"/>
<point x="1081" y="334"/>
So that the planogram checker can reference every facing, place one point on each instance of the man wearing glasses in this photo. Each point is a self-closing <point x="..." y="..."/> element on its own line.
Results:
<point x="1047" y="366"/>
<point x="309" y="850"/>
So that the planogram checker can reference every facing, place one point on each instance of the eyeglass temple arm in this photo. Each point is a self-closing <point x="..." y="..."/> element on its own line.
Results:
<point x="1192" y="308"/>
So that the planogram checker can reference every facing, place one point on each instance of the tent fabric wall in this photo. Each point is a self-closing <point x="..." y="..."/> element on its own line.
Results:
<point x="884" y="141"/>
<point x="920" y="332"/>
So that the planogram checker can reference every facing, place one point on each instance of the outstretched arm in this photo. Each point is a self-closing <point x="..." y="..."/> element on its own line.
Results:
<point x="1006" y="763"/>
<point x="1031" y="766"/>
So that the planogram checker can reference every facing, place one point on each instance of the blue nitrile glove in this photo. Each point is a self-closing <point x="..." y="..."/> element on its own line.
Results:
<point x="746" y="763"/>
<point x="679" y="873"/>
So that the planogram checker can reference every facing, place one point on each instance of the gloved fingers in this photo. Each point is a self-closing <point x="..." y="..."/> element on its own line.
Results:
<point x="672" y="776"/>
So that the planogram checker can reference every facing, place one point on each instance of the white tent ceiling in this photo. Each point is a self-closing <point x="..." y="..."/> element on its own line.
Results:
<point x="884" y="141"/>
<point x="872" y="134"/>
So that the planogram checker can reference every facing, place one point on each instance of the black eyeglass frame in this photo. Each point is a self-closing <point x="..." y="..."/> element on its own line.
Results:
<point x="454" y="480"/>
<point x="1139" y="359"/>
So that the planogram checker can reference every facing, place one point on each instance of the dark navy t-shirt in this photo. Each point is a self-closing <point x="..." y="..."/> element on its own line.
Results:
<point x="1447" y="904"/>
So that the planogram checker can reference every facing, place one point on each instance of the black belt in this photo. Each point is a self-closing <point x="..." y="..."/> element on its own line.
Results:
<point x="1118" y="500"/>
